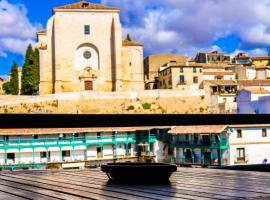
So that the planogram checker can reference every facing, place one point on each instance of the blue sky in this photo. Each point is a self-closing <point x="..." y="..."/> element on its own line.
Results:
<point x="171" y="26"/>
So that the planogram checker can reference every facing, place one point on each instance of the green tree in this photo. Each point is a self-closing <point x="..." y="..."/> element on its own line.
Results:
<point x="128" y="37"/>
<point x="30" y="71"/>
<point x="12" y="86"/>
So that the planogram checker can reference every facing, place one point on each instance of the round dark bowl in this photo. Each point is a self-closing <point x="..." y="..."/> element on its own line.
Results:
<point x="139" y="172"/>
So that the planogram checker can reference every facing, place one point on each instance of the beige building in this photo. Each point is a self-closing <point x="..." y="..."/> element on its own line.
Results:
<point x="220" y="95"/>
<point x="227" y="75"/>
<point x="259" y="61"/>
<point x="82" y="49"/>
<point x="212" y="57"/>
<point x="178" y="76"/>
<point x="262" y="72"/>
<point x="152" y="64"/>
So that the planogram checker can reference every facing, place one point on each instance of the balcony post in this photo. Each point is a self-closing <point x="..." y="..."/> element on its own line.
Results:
<point x="60" y="155"/>
<point x="19" y="155"/>
<point x="192" y="156"/>
<point x="115" y="145"/>
<point x="184" y="156"/>
<point x="47" y="155"/>
<point x="220" y="150"/>
<point x="148" y="147"/>
<point x="101" y="150"/>
<point x="202" y="156"/>
<point x="211" y="156"/>
<point x="33" y="155"/>
<point x="127" y="145"/>
<point x="220" y="157"/>
<point x="73" y="153"/>
<point x="5" y="156"/>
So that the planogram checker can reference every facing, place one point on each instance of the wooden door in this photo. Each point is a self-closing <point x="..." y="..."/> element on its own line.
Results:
<point x="88" y="85"/>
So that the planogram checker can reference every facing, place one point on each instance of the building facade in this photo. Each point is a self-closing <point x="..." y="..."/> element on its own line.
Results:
<point x="220" y="95"/>
<point x="212" y="57"/>
<point x="253" y="101"/>
<point x="260" y="61"/>
<point x="82" y="49"/>
<point x="220" y="144"/>
<point x="39" y="147"/>
<point x="177" y="76"/>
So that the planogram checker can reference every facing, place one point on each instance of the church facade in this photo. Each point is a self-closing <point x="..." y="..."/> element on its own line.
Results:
<point x="82" y="49"/>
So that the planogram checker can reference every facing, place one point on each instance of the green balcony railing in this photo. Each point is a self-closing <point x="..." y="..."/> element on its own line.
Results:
<point x="202" y="143"/>
<point x="88" y="140"/>
<point x="67" y="141"/>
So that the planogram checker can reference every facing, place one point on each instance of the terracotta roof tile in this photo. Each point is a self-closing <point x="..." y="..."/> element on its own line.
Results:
<point x="221" y="82"/>
<point x="260" y="57"/>
<point x="42" y="31"/>
<point x="131" y="43"/>
<point x="262" y="67"/>
<point x="198" y="129"/>
<point x="254" y="82"/>
<point x="31" y="131"/>
<point x="218" y="73"/>
<point x="86" y="5"/>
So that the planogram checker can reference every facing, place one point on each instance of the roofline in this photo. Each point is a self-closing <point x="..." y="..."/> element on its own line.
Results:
<point x="84" y="10"/>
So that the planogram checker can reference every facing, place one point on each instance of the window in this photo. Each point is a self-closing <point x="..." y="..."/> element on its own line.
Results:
<point x="76" y="135"/>
<point x="11" y="156"/>
<point x="264" y="132"/>
<point x="87" y="55"/>
<point x="239" y="133"/>
<point x="35" y="137"/>
<point x="240" y="154"/>
<point x="66" y="153"/>
<point x="43" y="154"/>
<point x="194" y="69"/>
<point x="195" y="79"/>
<point x="98" y="135"/>
<point x="87" y="30"/>
<point x="182" y="79"/>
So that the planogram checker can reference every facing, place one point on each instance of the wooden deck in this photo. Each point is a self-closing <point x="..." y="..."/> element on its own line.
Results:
<point x="186" y="183"/>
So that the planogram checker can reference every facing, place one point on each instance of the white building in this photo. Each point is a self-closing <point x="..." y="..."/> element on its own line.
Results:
<point x="252" y="101"/>
<point x="221" y="144"/>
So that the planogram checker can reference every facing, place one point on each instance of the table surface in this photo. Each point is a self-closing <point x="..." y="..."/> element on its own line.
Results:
<point x="186" y="183"/>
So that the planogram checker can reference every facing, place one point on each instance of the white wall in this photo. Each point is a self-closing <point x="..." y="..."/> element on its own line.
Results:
<point x="257" y="148"/>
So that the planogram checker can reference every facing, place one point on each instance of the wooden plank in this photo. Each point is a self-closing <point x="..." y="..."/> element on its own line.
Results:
<point x="63" y="182"/>
<point x="151" y="190"/>
<point x="10" y="188"/>
<point x="233" y="193"/>
<point x="79" y="190"/>
<point x="56" y="192"/>
<point x="7" y="196"/>
<point x="186" y="183"/>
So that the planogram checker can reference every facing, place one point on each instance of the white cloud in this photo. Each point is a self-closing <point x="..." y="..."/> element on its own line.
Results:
<point x="16" y="30"/>
<point x="192" y="25"/>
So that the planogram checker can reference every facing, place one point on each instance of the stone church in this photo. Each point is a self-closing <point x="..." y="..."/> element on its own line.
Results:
<point x="82" y="49"/>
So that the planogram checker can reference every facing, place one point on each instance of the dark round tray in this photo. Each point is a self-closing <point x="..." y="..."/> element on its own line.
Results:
<point x="139" y="172"/>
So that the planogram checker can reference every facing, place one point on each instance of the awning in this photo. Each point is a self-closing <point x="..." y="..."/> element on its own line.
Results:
<point x="54" y="149"/>
<point x="80" y="148"/>
<point x="26" y="150"/>
<point x="67" y="148"/>
<point x="40" y="149"/>
<point x="13" y="151"/>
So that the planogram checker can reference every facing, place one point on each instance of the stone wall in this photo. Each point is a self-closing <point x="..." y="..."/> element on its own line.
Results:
<point x="156" y="101"/>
